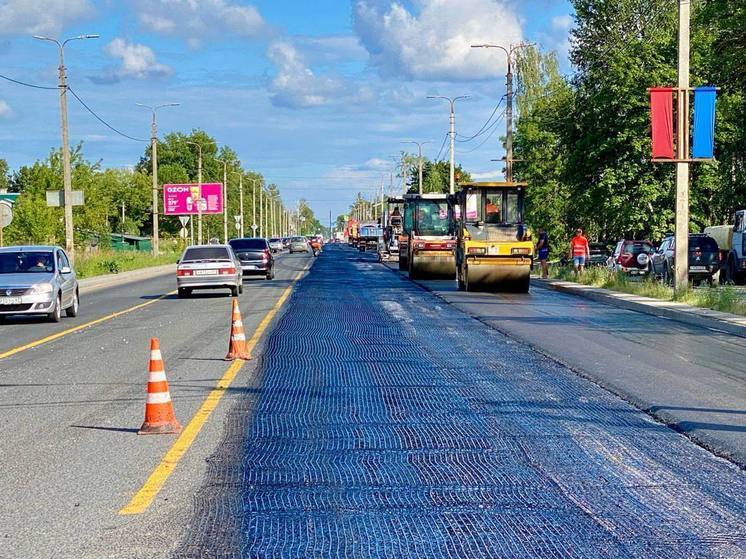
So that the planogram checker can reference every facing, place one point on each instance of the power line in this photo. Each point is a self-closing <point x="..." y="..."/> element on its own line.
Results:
<point x="494" y="128"/>
<point x="485" y="126"/>
<point x="27" y="84"/>
<point x="102" y="121"/>
<point x="445" y="139"/>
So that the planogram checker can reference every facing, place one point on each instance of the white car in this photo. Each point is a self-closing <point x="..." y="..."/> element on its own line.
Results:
<point x="276" y="245"/>
<point x="209" y="267"/>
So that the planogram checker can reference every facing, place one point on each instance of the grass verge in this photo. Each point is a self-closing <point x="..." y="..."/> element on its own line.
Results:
<point x="114" y="262"/>
<point x="719" y="298"/>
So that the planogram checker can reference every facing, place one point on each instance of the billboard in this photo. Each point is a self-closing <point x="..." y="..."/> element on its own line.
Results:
<point x="181" y="199"/>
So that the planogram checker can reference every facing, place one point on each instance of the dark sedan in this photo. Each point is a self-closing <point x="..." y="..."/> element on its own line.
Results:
<point x="255" y="256"/>
<point x="704" y="259"/>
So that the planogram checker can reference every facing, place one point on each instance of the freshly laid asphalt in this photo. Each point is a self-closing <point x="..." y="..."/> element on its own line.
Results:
<point x="70" y="410"/>
<point x="385" y="422"/>
<point x="692" y="378"/>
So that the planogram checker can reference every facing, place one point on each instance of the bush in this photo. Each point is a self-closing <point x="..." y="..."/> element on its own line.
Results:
<point x="111" y="262"/>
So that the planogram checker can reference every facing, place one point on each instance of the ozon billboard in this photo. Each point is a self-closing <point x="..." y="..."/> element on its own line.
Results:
<point x="181" y="199"/>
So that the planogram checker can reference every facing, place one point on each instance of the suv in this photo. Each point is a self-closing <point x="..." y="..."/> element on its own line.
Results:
<point x="704" y="259"/>
<point x="599" y="254"/>
<point x="631" y="257"/>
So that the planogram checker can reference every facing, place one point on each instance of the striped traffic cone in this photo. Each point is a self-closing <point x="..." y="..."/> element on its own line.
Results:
<point x="159" y="411"/>
<point x="237" y="341"/>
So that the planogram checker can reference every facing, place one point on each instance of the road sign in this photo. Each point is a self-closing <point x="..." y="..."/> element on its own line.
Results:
<point x="184" y="219"/>
<point x="181" y="199"/>
<point x="255" y="227"/>
<point x="56" y="198"/>
<point x="184" y="233"/>
<point x="6" y="214"/>
<point x="238" y="227"/>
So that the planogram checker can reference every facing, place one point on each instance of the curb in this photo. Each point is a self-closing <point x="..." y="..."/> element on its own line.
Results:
<point x="680" y="312"/>
<point x="96" y="283"/>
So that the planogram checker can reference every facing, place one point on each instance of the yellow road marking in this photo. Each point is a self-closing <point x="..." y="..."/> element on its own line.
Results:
<point x="74" y="329"/>
<point x="157" y="479"/>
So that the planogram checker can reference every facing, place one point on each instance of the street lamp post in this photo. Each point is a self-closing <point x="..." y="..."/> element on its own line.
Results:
<point x="67" y="179"/>
<point x="199" y="187"/>
<point x="240" y="201"/>
<point x="154" y="161"/>
<point x="225" y="198"/>
<point x="419" y="159"/>
<point x="452" y="133"/>
<point x="509" y="109"/>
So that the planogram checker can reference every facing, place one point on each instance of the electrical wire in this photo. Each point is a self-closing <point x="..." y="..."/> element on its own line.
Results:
<point x="102" y="121"/>
<point x="437" y="157"/>
<point x="485" y="126"/>
<point x="27" y="84"/>
<point x="494" y="128"/>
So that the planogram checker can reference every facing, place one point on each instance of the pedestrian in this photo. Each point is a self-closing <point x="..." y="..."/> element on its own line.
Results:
<point x="542" y="249"/>
<point x="579" y="251"/>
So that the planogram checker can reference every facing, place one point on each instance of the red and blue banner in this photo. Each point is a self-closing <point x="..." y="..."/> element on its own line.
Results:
<point x="703" y="133"/>
<point x="661" y="121"/>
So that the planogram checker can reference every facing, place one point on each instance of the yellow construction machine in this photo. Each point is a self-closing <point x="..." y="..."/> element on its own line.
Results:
<point x="429" y="241"/>
<point x="494" y="249"/>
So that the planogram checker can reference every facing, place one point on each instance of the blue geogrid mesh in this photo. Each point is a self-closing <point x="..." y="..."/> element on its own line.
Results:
<point x="389" y="425"/>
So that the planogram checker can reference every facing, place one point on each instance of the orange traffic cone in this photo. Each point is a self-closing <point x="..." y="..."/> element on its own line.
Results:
<point x="237" y="342"/>
<point x="159" y="411"/>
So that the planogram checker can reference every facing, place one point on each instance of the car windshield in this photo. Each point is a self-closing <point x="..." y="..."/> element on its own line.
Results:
<point x="198" y="254"/>
<point x="637" y="248"/>
<point x="298" y="240"/>
<point x="703" y="244"/>
<point x="371" y="231"/>
<point x="432" y="217"/>
<point x="20" y="262"/>
<point x="246" y="244"/>
<point x="274" y="240"/>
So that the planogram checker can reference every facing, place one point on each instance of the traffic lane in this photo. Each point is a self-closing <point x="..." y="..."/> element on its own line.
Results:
<point x="687" y="376"/>
<point x="20" y="330"/>
<point x="72" y="407"/>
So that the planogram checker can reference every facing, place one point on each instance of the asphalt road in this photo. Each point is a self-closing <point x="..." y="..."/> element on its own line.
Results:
<point x="691" y="378"/>
<point x="70" y="409"/>
<point x="387" y="424"/>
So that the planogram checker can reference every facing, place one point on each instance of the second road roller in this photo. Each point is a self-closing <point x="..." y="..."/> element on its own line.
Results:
<point x="430" y="242"/>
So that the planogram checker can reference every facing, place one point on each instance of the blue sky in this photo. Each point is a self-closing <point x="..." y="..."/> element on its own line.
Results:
<point x="317" y="96"/>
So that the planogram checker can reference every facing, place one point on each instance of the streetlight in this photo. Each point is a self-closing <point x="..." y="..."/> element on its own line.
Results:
<point x="199" y="186"/>
<point x="225" y="197"/>
<point x="509" y="110"/>
<point x="67" y="178"/>
<point x="240" y="200"/>
<point x="154" y="158"/>
<point x="419" y="148"/>
<point x="452" y="133"/>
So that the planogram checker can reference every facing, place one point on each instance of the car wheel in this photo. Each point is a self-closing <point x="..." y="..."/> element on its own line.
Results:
<point x="234" y="291"/>
<point x="56" y="314"/>
<point x="72" y="310"/>
<point x="666" y="276"/>
<point x="240" y="289"/>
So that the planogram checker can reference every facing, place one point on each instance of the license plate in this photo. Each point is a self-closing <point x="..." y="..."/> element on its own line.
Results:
<point x="698" y="268"/>
<point x="205" y="272"/>
<point x="493" y="251"/>
<point x="249" y="267"/>
<point x="10" y="300"/>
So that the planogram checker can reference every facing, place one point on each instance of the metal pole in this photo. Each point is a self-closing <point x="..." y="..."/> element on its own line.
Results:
<point x="240" y="201"/>
<point x="509" y="123"/>
<point x="681" y="281"/>
<point x="453" y="143"/>
<point x="225" y="202"/>
<point x="154" y="158"/>
<point x="199" y="204"/>
<point x="66" y="170"/>
<point x="261" y="211"/>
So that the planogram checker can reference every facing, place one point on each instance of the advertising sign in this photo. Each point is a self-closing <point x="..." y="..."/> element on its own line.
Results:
<point x="182" y="199"/>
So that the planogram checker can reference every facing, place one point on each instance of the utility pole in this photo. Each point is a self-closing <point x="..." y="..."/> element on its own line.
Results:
<point x="261" y="211"/>
<point x="509" y="109"/>
<point x="419" y="158"/>
<point x="199" y="187"/>
<point x="225" y="201"/>
<point x="452" y="134"/>
<point x="240" y="202"/>
<point x="681" y="276"/>
<point x="67" y="178"/>
<point x="154" y="162"/>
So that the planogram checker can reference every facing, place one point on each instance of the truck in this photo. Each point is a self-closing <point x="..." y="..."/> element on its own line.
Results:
<point x="732" y="245"/>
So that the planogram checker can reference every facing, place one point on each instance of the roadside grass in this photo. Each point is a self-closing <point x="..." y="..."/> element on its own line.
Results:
<point x="722" y="298"/>
<point x="113" y="262"/>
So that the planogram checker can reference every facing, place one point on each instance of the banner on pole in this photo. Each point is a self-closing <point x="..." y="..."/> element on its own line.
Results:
<point x="703" y="145"/>
<point x="661" y="121"/>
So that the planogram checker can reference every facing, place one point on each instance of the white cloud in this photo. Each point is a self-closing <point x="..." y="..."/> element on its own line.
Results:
<point x="487" y="175"/>
<point x="435" y="42"/>
<point x="41" y="17"/>
<point x="197" y="20"/>
<point x="330" y="49"/>
<point x="136" y="62"/>
<point x="296" y="85"/>
<point x="5" y="110"/>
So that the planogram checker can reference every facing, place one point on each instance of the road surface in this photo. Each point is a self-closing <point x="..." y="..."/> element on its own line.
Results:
<point x="387" y="423"/>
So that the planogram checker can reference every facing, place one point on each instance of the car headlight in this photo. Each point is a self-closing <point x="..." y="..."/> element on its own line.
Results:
<point x="43" y="288"/>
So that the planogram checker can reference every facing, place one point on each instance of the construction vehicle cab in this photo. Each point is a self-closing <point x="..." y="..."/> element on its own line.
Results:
<point x="393" y="226"/>
<point x="494" y="249"/>
<point x="430" y="243"/>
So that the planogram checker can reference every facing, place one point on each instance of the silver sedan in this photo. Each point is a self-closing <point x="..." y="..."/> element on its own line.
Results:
<point x="37" y="280"/>
<point x="209" y="267"/>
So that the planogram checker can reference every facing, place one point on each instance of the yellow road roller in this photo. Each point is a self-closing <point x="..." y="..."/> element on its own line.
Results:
<point x="494" y="249"/>
<point x="430" y="243"/>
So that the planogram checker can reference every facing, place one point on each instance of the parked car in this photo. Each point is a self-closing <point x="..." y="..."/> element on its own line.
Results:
<point x="209" y="267"/>
<point x="704" y="259"/>
<point x="631" y="257"/>
<point x="37" y="280"/>
<point x="298" y="244"/>
<point x="255" y="256"/>
<point x="275" y="245"/>
<point x="600" y="254"/>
